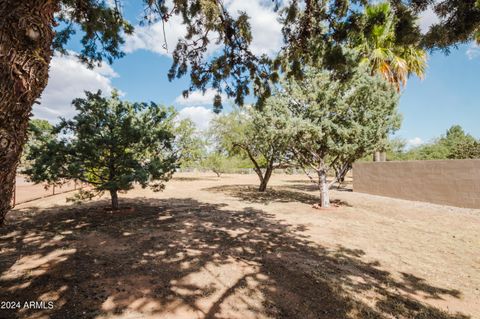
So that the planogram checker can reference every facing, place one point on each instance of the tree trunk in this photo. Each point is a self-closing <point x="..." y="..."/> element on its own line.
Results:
<point x="323" y="187"/>
<point x="380" y="156"/>
<point x="114" y="196"/>
<point x="265" y="179"/>
<point x="26" y="37"/>
<point x="383" y="156"/>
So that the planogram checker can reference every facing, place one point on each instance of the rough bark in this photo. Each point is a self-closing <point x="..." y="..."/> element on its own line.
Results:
<point x="264" y="180"/>
<point x="26" y="36"/>
<point x="114" y="197"/>
<point x="268" y="172"/>
<point x="323" y="187"/>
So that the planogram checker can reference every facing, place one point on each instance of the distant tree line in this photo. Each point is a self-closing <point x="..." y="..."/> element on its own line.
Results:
<point x="455" y="144"/>
<point x="316" y="34"/>
<point x="317" y="124"/>
<point x="320" y="108"/>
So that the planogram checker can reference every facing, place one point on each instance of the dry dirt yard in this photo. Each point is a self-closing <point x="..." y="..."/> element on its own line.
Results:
<point x="212" y="247"/>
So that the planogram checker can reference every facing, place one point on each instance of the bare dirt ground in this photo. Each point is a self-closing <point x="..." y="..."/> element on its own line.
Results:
<point x="212" y="247"/>
<point x="26" y="191"/>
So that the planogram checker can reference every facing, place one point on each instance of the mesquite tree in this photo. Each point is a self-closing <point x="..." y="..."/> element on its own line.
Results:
<point x="189" y="145"/>
<point x="314" y="32"/>
<point x="263" y="136"/>
<point x="30" y="31"/>
<point x="334" y="126"/>
<point x="216" y="162"/>
<point x="111" y="144"/>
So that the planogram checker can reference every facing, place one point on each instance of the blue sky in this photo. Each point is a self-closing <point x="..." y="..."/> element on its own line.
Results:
<point x="448" y="95"/>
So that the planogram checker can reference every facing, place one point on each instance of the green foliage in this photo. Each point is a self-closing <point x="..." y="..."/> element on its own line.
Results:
<point x="459" y="23"/>
<point x="110" y="144"/>
<point x="459" y="144"/>
<point x="216" y="162"/>
<point x="234" y="70"/>
<point x="263" y="137"/>
<point x="380" y="49"/>
<point x="102" y="26"/>
<point x="334" y="128"/>
<point x="189" y="146"/>
<point x="465" y="149"/>
<point x="39" y="131"/>
<point x="455" y="144"/>
<point x="38" y="127"/>
<point x="220" y="163"/>
<point x="316" y="33"/>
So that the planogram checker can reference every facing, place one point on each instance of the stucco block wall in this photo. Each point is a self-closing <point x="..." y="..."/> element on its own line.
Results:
<point x="449" y="182"/>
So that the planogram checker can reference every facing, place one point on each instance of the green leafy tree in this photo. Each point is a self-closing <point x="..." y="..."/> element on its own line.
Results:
<point x="465" y="150"/>
<point x="262" y="136"/>
<point x="216" y="162"/>
<point x="458" y="143"/>
<point x="189" y="145"/>
<point x="39" y="131"/>
<point x="455" y="144"/>
<point x="431" y="151"/>
<point x="384" y="55"/>
<point x="459" y="22"/>
<point x="110" y="144"/>
<point x="315" y="33"/>
<point x="333" y="126"/>
<point x="32" y="30"/>
<point x="396" y="149"/>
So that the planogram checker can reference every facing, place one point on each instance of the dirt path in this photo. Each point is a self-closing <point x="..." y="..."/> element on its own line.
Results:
<point x="215" y="248"/>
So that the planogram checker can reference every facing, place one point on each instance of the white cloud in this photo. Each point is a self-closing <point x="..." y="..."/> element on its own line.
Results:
<point x="199" y="115"/>
<point x="266" y="30"/>
<point x="197" y="98"/>
<point x="416" y="141"/>
<point x="473" y="51"/>
<point x="68" y="80"/>
<point x="152" y="38"/>
<point x="427" y="18"/>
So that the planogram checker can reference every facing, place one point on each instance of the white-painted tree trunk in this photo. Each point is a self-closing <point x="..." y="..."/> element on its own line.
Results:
<point x="323" y="186"/>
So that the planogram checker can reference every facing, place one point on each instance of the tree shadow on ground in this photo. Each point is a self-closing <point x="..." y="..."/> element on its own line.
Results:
<point x="249" y="193"/>
<point x="307" y="186"/>
<point x="193" y="179"/>
<point x="184" y="258"/>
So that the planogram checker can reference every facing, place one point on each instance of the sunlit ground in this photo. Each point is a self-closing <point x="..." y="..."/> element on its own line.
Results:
<point x="212" y="247"/>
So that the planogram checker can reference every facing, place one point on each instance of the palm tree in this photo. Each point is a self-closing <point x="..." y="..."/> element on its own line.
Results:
<point x="382" y="54"/>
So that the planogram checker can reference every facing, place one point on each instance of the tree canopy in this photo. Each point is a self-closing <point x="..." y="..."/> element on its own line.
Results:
<point x="454" y="144"/>
<point x="39" y="131"/>
<point x="333" y="126"/>
<point x="110" y="144"/>
<point x="263" y="136"/>
<point x="316" y="33"/>
<point x="189" y="146"/>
